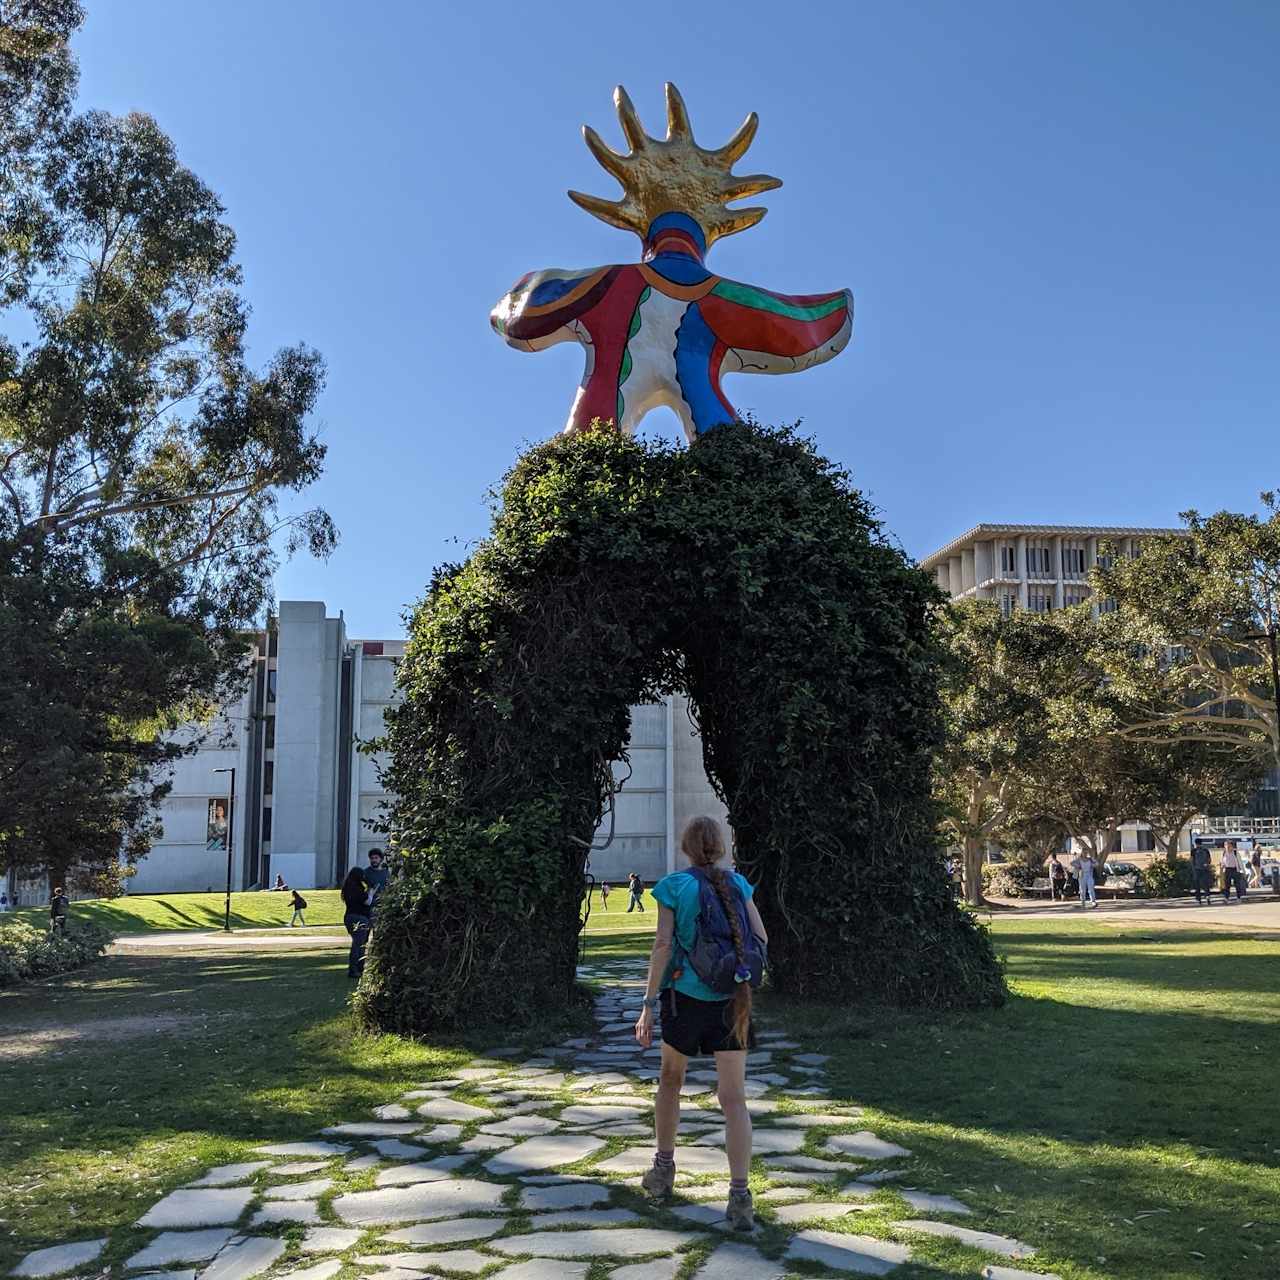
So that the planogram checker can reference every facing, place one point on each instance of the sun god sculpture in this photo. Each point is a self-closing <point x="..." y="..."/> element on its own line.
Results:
<point x="665" y="330"/>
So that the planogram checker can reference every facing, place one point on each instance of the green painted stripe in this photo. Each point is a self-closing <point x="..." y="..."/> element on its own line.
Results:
<point x="761" y="301"/>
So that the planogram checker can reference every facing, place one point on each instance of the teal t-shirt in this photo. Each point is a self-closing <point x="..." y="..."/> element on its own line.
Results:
<point x="679" y="891"/>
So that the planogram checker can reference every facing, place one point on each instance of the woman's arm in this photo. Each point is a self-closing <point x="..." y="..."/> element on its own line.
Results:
<point x="658" y="959"/>
<point x="757" y="925"/>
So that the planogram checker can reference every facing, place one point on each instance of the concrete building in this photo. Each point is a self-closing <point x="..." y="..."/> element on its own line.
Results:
<point x="1030" y="566"/>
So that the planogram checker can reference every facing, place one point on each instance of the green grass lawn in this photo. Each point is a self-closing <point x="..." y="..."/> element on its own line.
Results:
<point x="160" y="913"/>
<point x="1128" y="1074"/>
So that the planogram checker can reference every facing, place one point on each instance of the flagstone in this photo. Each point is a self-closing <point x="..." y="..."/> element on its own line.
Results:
<point x="738" y="1262"/>
<point x="543" y="1269"/>
<point x="922" y="1202"/>
<point x="794" y="1176"/>
<point x="394" y="1149"/>
<point x="688" y="1160"/>
<point x="864" y="1144"/>
<point x="187" y="1273"/>
<point x="705" y="1190"/>
<point x="569" y="1195"/>
<point x="882" y="1175"/>
<point x="306" y="1211"/>
<point x="58" y="1258"/>
<point x="330" y="1239"/>
<point x="809" y="1162"/>
<point x="319" y="1271"/>
<point x="754" y="1088"/>
<point x="361" y="1163"/>
<point x="768" y="1077"/>
<point x="811" y="1059"/>
<point x="452" y="1231"/>
<point x="778" y="1042"/>
<point x="403" y="1175"/>
<point x="244" y="1258"/>
<point x="778" y="1195"/>
<point x="617" y="1241"/>
<point x="658" y="1269"/>
<point x="1010" y="1273"/>
<point x="1006" y="1246"/>
<point x="485" y="1142"/>
<point x="599" y="1113"/>
<point x="623" y="1130"/>
<point x="755" y="1106"/>
<point x="402" y="1273"/>
<point x="188" y="1208"/>
<point x="476" y="1073"/>
<point x="420" y="1202"/>
<point x="544" y="1153"/>
<point x="299" y="1190"/>
<point x="790" y="1213"/>
<point x="440" y="1133"/>
<point x="523" y="1126"/>
<point x="585" y="1218"/>
<point x="857" y="1191"/>
<point x="297" y="1167"/>
<point x="820" y="1120"/>
<point x="597" y="1080"/>
<point x="763" y="1141"/>
<point x="391" y="1111"/>
<point x="304" y="1149"/>
<point x="452" y="1109"/>
<point x="372" y="1129"/>
<point x="225" y="1174"/>
<point x="467" y="1260"/>
<point x="181" y="1246"/>
<point x="848" y="1252"/>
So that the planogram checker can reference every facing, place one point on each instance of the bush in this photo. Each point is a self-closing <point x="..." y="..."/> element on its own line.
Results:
<point x="1008" y="879"/>
<point x="746" y="572"/>
<point x="1165" y="879"/>
<point x="27" y="952"/>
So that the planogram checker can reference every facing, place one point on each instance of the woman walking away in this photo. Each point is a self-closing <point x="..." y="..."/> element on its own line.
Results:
<point x="355" y="898"/>
<point x="299" y="904"/>
<point x="636" y="888"/>
<point x="605" y="891"/>
<point x="708" y="954"/>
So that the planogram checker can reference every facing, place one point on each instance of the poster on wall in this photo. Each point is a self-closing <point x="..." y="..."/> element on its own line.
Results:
<point x="216" y="826"/>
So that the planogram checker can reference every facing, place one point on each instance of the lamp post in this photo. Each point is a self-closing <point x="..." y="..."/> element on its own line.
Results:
<point x="231" y="827"/>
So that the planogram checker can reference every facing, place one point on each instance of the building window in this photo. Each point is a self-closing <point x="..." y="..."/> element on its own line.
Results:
<point x="1038" y="561"/>
<point x="266" y="824"/>
<point x="1106" y="606"/>
<point x="271" y="685"/>
<point x="1106" y="559"/>
<point x="1146" y="842"/>
<point x="268" y="777"/>
<point x="1073" y="598"/>
<point x="1008" y="560"/>
<point x="271" y="732"/>
<point x="1040" y="603"/>
<point x="1008" y="605"/>
<point x="1072" y="562"/>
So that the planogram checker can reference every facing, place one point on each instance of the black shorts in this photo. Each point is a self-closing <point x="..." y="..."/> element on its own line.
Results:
<point x="692" y="1026"/>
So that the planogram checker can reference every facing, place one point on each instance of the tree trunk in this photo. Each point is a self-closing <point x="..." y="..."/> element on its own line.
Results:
<point x="975" y="852"/>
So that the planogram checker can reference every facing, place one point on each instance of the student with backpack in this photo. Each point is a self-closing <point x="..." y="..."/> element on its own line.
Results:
<point x="708" y="953"/>
<point x="299" y="904"/>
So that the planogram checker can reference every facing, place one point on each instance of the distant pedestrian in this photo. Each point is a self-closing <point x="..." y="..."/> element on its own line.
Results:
<point x="1255" y="868"/>
<point x="635" y="886"/>
<point x="4" y="902"/>
<point x="299" y="906"/>
<point x="377" y="876"/>
<point x="1202" y="872"/>
<point x="1231" y="872"/>
<point x="1084" y="865"/>
<point x="279" y="886"/>
<point x="356" y="901"/>
<point x="1057" y="880"/>
<point x="58" y="911"/>
<point x="605" y="891"/>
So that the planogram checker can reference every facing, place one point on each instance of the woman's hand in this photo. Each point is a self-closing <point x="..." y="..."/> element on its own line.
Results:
<point x="644" y="1026"/>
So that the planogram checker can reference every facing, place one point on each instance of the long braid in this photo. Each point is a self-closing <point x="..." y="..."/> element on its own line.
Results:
<point x="703" y="845"/>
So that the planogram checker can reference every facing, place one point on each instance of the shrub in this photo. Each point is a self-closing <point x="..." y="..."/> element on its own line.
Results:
<point x="27" y="952"/>
<point x="1008" y="879"/>
<point x="746" y="572"/>
<point x="1165" y="879"/>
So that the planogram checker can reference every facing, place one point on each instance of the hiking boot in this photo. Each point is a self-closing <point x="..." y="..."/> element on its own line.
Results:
<point x="659" y="1181"/>
<point x="740" y="1211"/>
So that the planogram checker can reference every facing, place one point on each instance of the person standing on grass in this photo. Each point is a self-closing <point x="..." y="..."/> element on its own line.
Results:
<point x="1231" y="874"/>
<point x="299" y="906"/>
<point x="356" y="900"/>
<point x="58" y="911"/>
<point x="709" y="932"/>
<point x="1084" y="865"/>
<point x="605" y="891"/>
<point x="636" y="888"/>
<point x="1202" y="872"/>
<point x="377" y="875"/>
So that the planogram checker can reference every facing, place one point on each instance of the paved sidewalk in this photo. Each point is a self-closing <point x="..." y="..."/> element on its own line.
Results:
<point x="320" y="936"/>
<point x="1259" y="910"/>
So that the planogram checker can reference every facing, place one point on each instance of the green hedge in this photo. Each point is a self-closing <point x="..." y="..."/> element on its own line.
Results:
<point x="1009" y="879"/>
<point x="1165" y="879"/>
<point x="747" y="572"/>
<point x="27" y="952"/>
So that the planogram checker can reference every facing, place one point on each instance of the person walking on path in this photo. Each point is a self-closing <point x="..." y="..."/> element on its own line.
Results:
<point x="356" y="898"/>
<point x="636" y="888"/>
<point x="1202" y="872"/>
<point x="1084" y="865"/>
<point x="1057" y="880"/>
<point x="605" y="891"/>
<point x="1255" y="868"/>
<point x="696" y="1019"/>
<point x="58" y="911"/>
<point x="1231" y="873"/>
<point x="299" y="906"/>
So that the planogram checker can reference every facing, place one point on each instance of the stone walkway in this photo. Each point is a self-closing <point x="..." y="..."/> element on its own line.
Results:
<point x="529" y="1166"/>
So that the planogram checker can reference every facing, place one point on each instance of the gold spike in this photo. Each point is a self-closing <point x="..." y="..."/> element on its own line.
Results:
<point x="629" y="119"/>
<point x="678" y="125"/>
<point x="675" y="174"/>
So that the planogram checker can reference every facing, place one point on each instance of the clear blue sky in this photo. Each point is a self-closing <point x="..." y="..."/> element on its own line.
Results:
<point x="1059" y="222"/>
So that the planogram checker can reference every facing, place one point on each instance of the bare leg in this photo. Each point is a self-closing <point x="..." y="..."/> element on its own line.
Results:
<point x="666" y="1106"/>
<point x="731" y="1072"/>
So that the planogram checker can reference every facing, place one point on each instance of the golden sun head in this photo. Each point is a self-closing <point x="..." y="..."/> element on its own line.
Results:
<point x="674" y="175"/>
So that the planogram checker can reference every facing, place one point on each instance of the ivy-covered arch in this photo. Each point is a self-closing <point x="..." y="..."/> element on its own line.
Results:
<point x="747" y="572"/>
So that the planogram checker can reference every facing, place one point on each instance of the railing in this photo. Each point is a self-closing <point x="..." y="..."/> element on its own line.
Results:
<point x="1235" y="826"/>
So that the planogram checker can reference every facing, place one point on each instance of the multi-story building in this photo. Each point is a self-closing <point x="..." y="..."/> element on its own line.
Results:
<point x="1031" y="566"/>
